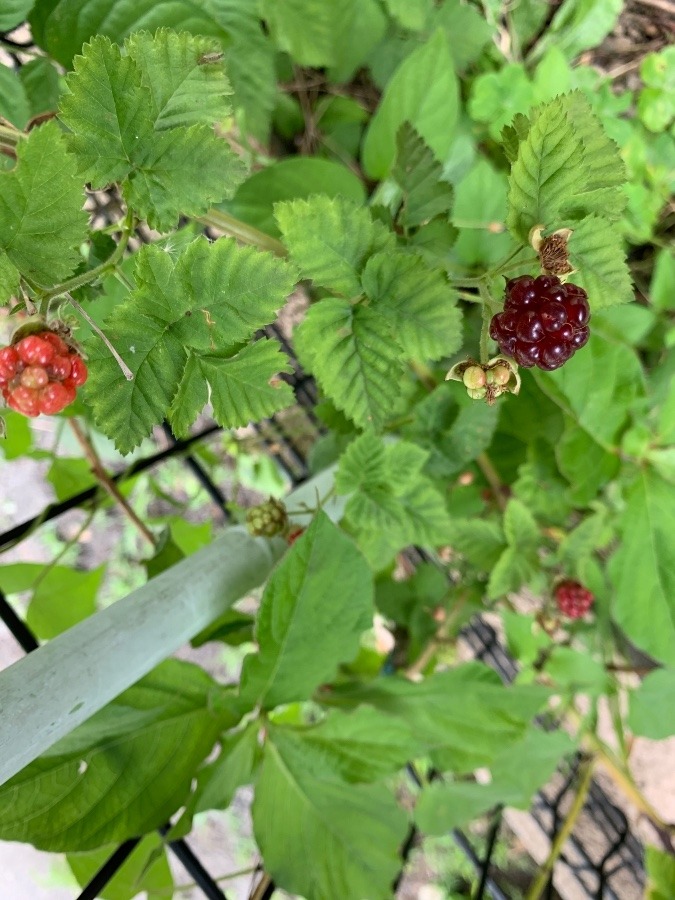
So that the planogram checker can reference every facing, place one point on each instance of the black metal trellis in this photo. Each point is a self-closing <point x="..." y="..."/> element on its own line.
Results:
<point x="616" y="875"/>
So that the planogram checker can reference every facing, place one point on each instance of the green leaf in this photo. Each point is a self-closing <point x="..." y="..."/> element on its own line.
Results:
<point x="496" y="97"/>
<point x="511" y="571"/>
<point x="69" y="476"/>
<point x="61" y="597"/>
<point x="577" y="672"/>
<point x="465" y="717"/>
<point x="579" y="25"/>
<point x="586" y="465"/>
<point x="218" y="782"/>
<point x="243" y="388"/>
<point x="663" y="278"/>
<point x="42" y="222"/>
<point x="419" y="175"/>
<point x="19" y="437"/>
<point x="146" y="870"/>
<point x="330" y="239"/>
<point x="596" y="249"/>
<point x="516" y="775"/>
<point x="481" y="542"/>
<point x="210" y="295"/>
<point x="306" y="29"/>
<point x="459" y="18"/>
<point x="296" y="177"/>
<point x="41" y="83"/>
<point x="123" y="772"/>
<point x="480" y="205"/>
<point x="641" y="569"/>
<point x="617" y="378"/>
<point x="352" y="833"/>
<point x="361" y="746"/>
<point x="148" y="97"/>
<point x="525" y="637"/>
<point x="417" y="301"/>
<point x="660" y="873"/>
<point x="410" y="14"/>
<point x="13" y="100"/>
<point x="422" y="91"/>
<point x="14" y="13"/>
<point x="513" y="134"/>
<point x="520" y="529"/>
<point x="353" y="354"/>
<point x="356" y="34"/>
<point x="302" y="637"/>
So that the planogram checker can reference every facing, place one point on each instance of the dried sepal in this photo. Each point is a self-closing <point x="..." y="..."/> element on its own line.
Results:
<point x="552" y="250"/>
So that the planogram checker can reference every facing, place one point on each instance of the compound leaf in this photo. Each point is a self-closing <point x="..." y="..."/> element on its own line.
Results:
<point x="315" y="607"/>
<point x="202" y="304"/>
<point x="418" y="173"/>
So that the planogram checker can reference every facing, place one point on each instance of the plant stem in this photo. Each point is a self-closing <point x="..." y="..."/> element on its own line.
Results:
<point x="539" y="885"/>
<point x="425" y="375"/>
<point x="106" y="482"/>
<point x="259" y="890"/>
<point x="243" y="232"/>
<point x="10" y="137"/>
<point x="492" y="477"/>
<point x="128" y="374"/>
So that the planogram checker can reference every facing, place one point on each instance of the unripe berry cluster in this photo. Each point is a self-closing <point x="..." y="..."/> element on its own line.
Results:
<point x="573" y="599"/>
<point x="268" y="519"/>
<point x="40" y="374"/>
<point x="543" y="323"/>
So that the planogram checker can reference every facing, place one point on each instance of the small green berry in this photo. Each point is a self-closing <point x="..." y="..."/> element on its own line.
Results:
<point x="477" y="393"/>
<point x="268" y="519"/>
<point x="474" y="377"/>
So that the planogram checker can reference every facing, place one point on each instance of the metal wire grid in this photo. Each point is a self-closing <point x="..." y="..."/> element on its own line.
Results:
<point x="619" y="868"/>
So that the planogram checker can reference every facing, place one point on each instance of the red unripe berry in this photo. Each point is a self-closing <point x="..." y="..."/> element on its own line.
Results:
<point x="34" y="377"/>
<point x="35" y="351"/>
<point x="78" y="372"/>
<point x="9" y="362"/>
<point x="573" y="599"/>
<point x="24" y="400"/>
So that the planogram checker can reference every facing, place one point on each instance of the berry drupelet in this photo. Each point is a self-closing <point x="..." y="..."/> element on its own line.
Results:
<point x="40" y="374"/>
<point x="544" y="322"/>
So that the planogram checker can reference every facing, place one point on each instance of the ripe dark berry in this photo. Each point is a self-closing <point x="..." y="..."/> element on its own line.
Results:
<point x="543" y="323"/>
<point x="40" y="374"/>
<point x="573" y="599"/>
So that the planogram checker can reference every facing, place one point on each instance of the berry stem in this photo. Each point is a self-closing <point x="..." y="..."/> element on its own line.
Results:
<point x="486" y="313"/>
<point x="492" y="477"/>
<point x="128" y="374"/>
<point x="585" y="780"/>
<point x="106" y="482"/>
<point x="247" y="234"/>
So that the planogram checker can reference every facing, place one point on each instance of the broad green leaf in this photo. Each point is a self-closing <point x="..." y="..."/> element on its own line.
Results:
<point x="617" y="378"/>
<point x="479" y="212"/>
<point x="243" y="388"/>
<point x="496" y="97"/>
<point x="146" y="870"/>
<point x="586" y="465"/>
<point x="362" y="464"/>
<point x="410" y="14"/>
<point x="41" y="83"/>
<point x="417" y="301"/>
<point x="123" y="772"/>
<point x="461" y="19"/>
<point x="42" y="222"/>
<point x="513" y="134"/>
<point x="478" y="540"/>
<point x="316" y="605"/>
<point x="69" y="476"/>
<point x="596" y="249"/>
<point x="356" y="34"/>
<point x="19" y="437"/>
<point x="403" y="601"/>
<point x="14" y="12"/>
<point x="353" y="354"/>
<point x="516" y="775"/>
<point x="208" y="297"/>
<point x="296" y="177"/>
<point x="511" y="571"/>
<point x="61" y="596"/>
<point x="352" y="833"/>
<point x="641" y="569"/>
<point x="520" y="529"/>
<point x="362" y="746"/>
<point x="660" y="874"/>
<point x="419" y="175"/>
<point x="423" y="91"/>
<point x="465" y="717"/>
<point x="306" y="29"/>
<point x="330" y="239"/>
<point x="143" y="139"/>
<point x="14" y="104"/>
<point x="576" y="671"/>
<point x="579" y="25"/>
<point x="525" y="637"/>
<point x="185" y="86"/>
